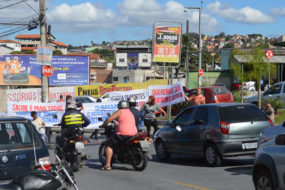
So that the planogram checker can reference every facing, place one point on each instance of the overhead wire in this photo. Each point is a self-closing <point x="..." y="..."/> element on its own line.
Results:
<point x="7" y="6"/>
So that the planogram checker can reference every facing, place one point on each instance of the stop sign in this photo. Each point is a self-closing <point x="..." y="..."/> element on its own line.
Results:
<point x="47" y="71"/>
<point x="269" y="54"/>
<point x="200" y="72"/>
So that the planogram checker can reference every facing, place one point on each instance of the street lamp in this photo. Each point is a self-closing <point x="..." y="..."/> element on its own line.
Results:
<point x="200" y="40"/>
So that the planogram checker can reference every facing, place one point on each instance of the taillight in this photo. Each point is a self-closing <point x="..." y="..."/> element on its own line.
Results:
<point x="215" y="99"/>
<point x="80" y="138"/>
<point x="225" y="127"/>
<point x="271" y="122"/>
<point x="45" y="162"/>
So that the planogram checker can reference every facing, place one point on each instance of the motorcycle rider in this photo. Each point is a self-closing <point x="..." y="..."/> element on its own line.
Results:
<point x="126" y="128"/>
<point x="72" y="118"/>
<point x="135" y="112"/>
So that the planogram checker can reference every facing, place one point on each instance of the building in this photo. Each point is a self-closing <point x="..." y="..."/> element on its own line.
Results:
<point x="10" y="44"/>
<point x="31" y="41"/>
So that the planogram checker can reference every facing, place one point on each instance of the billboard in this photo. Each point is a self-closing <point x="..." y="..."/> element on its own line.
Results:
<point x="23" y="70"/>
<point x="166" y="44"/>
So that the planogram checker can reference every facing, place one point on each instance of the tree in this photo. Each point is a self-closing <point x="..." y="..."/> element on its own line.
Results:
<point x="254" y="68"/>
<point x="229" y="45"/>
<point x="57" y="52"/>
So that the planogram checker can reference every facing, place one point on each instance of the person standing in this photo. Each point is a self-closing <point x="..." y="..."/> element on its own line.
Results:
<point x="135" y="112"/>
<point x="61" y="98"/>
<point x="96" y="131"/>
<point x="196" y="99"/>
<point x="269" y="111"/>
<point x="150" y="108"/>
<point x="39" y="124"/>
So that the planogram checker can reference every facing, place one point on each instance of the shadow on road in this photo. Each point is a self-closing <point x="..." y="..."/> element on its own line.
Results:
<point x="95" y="164"/>
<point x="243" y="170"/>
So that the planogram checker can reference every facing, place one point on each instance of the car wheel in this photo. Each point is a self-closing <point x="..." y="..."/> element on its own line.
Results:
<point x="263" y="181"/>
<point x="212" y="156"/>
<point x="161" y="151"/>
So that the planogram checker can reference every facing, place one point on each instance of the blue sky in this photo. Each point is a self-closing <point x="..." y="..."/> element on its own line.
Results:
<point x="78" y="22"/>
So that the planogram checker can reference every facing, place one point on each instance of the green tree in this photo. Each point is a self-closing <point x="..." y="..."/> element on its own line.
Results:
<point x="105" y="53"/>
<point x="57" y="52"/>
<point x="229" y="45"/>
<point x="254" y="68"/>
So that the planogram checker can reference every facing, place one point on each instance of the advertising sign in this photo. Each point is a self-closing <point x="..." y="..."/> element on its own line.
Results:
<point x="166" y="44"/>
<point x="24" y="95"/>
<point x="23" y="70"/>
<point x="46" y="111"/>
<point x="44" y="55"/>
<point x="168" y="94"/>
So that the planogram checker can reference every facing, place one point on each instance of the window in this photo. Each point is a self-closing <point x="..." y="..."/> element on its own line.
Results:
<point x="121" y="60"/>
<point x="220" y="90"/>
<point x="237" y="114"/>
<point x="201" y="115"/>
<point x="276" y="89"/>
<point x="184" y="118"/>
<point x="115" y="79"/>
<point x="145" y="60"/>
<point x="126" y="79"/>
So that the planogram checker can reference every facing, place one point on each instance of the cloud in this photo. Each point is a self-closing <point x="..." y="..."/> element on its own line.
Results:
<point x="129" y="13"/>
<point x="245" y="15"/>
<point x="278" y="11"/>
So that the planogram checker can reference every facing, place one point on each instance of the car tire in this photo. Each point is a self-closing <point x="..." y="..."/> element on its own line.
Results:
<point x="212" y="155"/>
<point x="263" y="180"/>
<point x="161" y="151"/>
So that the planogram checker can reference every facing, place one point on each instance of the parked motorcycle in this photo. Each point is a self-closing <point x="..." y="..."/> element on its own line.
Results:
<point x="70" y="149"/>
<point x="135" y="151"/>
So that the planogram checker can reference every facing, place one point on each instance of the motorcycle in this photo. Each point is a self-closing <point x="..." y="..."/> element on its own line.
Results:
<point x="70" y="149"/>
<point x="135" y="151"/>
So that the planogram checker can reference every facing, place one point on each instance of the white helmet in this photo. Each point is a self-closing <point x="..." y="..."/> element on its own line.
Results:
<point x="70" y="104"/>
<point x="123" y="104"/>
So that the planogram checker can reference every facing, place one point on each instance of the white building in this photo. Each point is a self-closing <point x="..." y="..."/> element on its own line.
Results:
<point x="15" y="46"/>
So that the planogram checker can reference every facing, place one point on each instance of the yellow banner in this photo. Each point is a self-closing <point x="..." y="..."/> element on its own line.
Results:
<point x="99" y="90"/>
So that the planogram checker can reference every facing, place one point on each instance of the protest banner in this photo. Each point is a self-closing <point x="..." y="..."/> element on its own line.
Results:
<point x="168" y="94"/>
<point x="46" y="111"/>
<point x="55" y="92"/>
<point x="24" y="95"/>
<point x="98" y="110"/>
<point x="99" y="90"/>
<point x="139" y="95"/>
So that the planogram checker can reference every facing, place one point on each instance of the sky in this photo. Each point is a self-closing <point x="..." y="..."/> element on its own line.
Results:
<point x="78" y="22"/>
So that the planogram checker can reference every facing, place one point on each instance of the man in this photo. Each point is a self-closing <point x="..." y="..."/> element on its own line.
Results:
<point x="135" y="112"/>
<point x="269" y="111"/>
<point x="196" y="99"/>
<point x="39" y="124"/>
<point x="61" y="98"/>
<point x="72" y="118"/>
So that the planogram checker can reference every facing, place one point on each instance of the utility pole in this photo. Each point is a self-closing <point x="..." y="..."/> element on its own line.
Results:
<point x="187" y="55"/>
<point x="44" y="43"/>
<point x="200" y="46"/>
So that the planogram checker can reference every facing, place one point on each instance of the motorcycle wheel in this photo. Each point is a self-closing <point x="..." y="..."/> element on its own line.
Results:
<point x="75" y="164"/>
<point x="139" y="161"/>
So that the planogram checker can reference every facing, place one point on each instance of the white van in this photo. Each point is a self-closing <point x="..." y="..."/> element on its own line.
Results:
<point x="275" y="91"/>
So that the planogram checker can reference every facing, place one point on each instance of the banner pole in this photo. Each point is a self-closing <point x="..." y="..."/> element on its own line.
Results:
<point x="169" y="107"/>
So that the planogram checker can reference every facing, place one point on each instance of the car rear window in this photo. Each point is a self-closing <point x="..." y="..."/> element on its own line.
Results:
<point x="15" y="136"/>
<point x="241" y="113"/>
<point x="220" y="90"/>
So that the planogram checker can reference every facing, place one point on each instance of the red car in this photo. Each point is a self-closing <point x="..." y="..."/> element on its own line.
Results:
<point x="214" y="94"/>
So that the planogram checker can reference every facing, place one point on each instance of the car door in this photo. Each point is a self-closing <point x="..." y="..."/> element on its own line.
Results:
<point x="193" y="129"/>
<point x="273" y="93"/>
<point x="181" y="137"/>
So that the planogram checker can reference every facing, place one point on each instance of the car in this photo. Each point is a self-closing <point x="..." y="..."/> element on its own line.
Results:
<point x="269" y="166"/>
<point x="85" y="99"/>
<point x="276" y="91"/>
<point x="214" y="131"/>
<point x="20" y="147"/>
<point x="214" y="94"/>
<point x="270" y="133"/>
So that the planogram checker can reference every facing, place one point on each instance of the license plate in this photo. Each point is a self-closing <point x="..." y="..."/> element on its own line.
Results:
<point x="144" y="144"/>
<point x="249" y="145"/>
<point x="79" y="145"/>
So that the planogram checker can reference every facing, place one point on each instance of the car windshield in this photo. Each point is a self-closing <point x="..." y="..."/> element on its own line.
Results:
<point x="220" y="90"/>
<point x="273" y="90"/>
<point x="15" y="136"/>
<point x="244" y="113"/>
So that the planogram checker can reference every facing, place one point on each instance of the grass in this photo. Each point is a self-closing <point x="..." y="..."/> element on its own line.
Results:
<point x="280" y="117"/>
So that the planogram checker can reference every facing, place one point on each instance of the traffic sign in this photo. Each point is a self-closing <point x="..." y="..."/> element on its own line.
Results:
<point x="200" y="72"/>
<point x="47" y="70"/>
<point x="269" y="54"/>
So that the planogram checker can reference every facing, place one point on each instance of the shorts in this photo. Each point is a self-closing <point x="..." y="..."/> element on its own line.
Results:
<point x="117" y="140"/>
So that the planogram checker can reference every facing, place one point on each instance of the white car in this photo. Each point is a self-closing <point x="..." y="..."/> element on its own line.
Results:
<point x="275" y="91"/>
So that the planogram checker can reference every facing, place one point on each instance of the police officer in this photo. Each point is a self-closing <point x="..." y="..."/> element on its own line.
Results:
<point x="72" y="118"/>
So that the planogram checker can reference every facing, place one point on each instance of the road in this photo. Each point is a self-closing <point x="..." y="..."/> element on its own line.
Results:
<point x="180" y="172"/>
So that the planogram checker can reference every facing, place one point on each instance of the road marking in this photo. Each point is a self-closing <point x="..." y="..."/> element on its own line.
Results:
<point x="192" y="186"/>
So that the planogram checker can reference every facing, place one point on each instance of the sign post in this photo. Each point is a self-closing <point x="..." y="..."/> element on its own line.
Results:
<point x="201" y="72"/>
<point x="269" y="55"/>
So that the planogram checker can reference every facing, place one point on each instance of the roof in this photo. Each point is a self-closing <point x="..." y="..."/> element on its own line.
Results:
<point x="274" y="59"/>
<point x="29" y="36"/>
<point x="28" y="48"/>
<point x="9" y="41"/>
<point x="59" y="43"/>
<point x="12" y="118"/>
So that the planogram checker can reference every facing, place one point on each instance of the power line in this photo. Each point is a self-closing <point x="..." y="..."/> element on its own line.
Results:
<point x="13" y="32"/>
<point x="13" y="4"/>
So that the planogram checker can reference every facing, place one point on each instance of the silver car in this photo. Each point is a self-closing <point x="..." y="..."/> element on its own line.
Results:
<point x="270" y="133"/>
<point x="269" y="166"/>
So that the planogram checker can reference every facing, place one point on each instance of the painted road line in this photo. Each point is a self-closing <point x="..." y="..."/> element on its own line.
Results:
<point x="192" y="186"/>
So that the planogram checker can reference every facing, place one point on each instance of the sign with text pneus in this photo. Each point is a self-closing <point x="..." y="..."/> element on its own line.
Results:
<point x="166" y="44"/>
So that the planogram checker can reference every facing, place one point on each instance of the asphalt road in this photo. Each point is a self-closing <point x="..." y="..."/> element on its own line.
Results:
<point x="180" y="172"/>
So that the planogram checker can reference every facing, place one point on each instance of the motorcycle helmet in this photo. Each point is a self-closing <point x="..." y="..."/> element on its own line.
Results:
<point x="123" y="104"/>
<point x="132" y="101"/>
<point x="71" y="104"/>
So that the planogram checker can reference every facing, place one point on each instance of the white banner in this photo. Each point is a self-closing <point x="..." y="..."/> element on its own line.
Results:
<point x="46" y="111"/>
<point x="139" y="95"/>
<point x="24" y="95"/>
<point x="55" y="92"/>
<point x="166" y="95"/>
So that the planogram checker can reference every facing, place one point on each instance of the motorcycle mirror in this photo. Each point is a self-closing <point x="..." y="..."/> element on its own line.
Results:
<point x="178" y="128"/>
